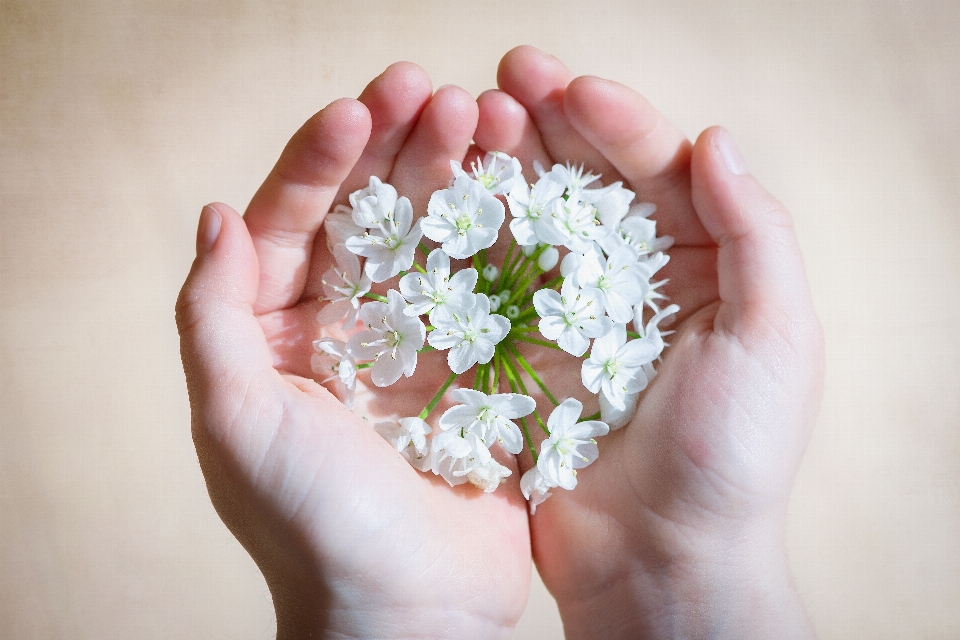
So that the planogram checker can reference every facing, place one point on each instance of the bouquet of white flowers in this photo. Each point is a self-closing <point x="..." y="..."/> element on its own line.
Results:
<point x="486" y="315"/>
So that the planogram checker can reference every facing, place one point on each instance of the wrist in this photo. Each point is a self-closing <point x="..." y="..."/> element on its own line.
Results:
<point x="346" y="613"/>
<point x="736" y="585"/>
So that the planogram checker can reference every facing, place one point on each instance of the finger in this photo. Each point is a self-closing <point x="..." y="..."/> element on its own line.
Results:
<point x="650" y="152"/>
<point x="285" y="214"/>
<point x="221" y="343"/>
<point x="538" y="81"/>
<point x="395" y="99"/>
<point x="504" y="125"/>
<point x="442" y="134"/>
<point x="691" y="277"/>
<point x="759" y="267"/>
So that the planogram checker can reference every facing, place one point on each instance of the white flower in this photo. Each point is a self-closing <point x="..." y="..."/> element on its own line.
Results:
<point x="332" y="357"/>
<point x="637" y="231"/>
<point x="372" y="203"/>
<point x="548" y="259"/>
<point x="470" y="334"/>
<point x="571" y="177"/>
<point x="532" y="209"/>
<point x="454" y="455"/>
<point x="464" y="218"/>
<point x="490" y="417"/>
<point x="618" y="280"/>
<point x="615" y="366"/>
<point x="488" y="476"/>
<point x="392" y="339"/>
<point x="611" y="202"/>
<point x="392" y="238"/>
<point x="652" y="330"/>
<point x="408" y="437"/>
<point x="497" y="176"/>
<point x="535" y="487"/>
<point x="578" y="223"/>
<point x="339" y="225"/>
<point x="616" y="418"/>
<point x="435" y="292"/>
<point x="571" y="444"/>
<point x="344" y="285"/>
<point x="570" y="317"/>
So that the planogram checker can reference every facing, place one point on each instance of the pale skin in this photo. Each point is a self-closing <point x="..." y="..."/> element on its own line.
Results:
<point x="676" y="531"/>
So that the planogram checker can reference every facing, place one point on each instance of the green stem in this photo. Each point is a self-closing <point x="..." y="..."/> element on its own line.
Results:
<point x="480" y="379"/>
<point x="633" y="334"/>
<point x="424" y="248"/>
<point x="512" y="380"/>
<point x="436" y="399"/>
<point x="595" y="416"/>
<point x="495" y="387"/>
<point x="542" y="343"/>
<point x="523" y="329"/>
<point x="364" y="365"/>
<point x="523" y="389"/>
<point x="533" y="374"/>
<point x="374" y="296"/>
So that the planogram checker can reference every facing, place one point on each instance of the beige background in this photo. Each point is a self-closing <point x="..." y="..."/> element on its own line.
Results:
<point x="119" y="120"/>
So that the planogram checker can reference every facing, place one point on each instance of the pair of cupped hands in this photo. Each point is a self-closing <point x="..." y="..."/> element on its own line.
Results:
<point x="677" y="530"/>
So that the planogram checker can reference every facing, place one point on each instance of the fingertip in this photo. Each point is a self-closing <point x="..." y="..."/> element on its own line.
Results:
<point x="759" y="260"/>
<point x="608" y="112"/>
<point x="729" y="201"/>
<point x="398" y="94"/>
<point x="225" y="271"/>
<point x="500" y="121"/>
<point x="528" y="71"/>
<point x="459" y="107"/>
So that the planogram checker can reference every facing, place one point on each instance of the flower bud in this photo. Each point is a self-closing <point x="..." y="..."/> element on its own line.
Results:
<point x="548" y="259"/>
<point x="513" y="312"/>
<point x="490" y="273"/>
<point x="494" y="303"/>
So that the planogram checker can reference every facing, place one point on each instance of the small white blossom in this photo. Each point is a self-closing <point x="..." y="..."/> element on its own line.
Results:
<point x="616" y="418"/>
<point x="454" y="455"/>
<point x="408" y="437"/>
<point x="464" y="218"/>
<point x="615" y="366"/>
<point x="392" y="339"/>
<point x="490" y="417"/>
<point x="572" y="177"/>
<point x="535" y="488"/>
<point x="611" y="202"/>
<point x="571" y="444"/>
<point x="496" y="173"/>
<point x="619" y="281"/>
<point x="470" y="334"/>
<point x="392" y="236"/>
<point x="344" y="285"/>
<point x="488" y="476"/>
<point x="436" y="292"/>
<point x="339" y="225"/>
<point x="532" y="209"/>
<point x="331" y="357"/>
<point x="570" y="317"/>
<point x="637" y="231"/>
<point x="578" y="223"/>
<point x="548" y="259"/>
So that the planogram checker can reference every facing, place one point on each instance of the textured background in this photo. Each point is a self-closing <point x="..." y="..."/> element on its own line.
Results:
<point x="119" y="120"/>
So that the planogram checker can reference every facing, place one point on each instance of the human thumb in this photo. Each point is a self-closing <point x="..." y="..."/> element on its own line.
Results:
<point x="221" y="342"/>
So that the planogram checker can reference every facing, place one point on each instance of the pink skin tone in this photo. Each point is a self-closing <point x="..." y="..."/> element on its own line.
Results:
<point x="677" y="529"/>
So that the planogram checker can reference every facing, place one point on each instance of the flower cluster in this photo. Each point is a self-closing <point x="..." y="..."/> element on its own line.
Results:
<point x="488" y="315"/>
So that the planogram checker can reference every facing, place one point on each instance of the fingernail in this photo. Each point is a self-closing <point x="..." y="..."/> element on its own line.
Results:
<point x="730" y="153"/>
<point x="208" y="230"/>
